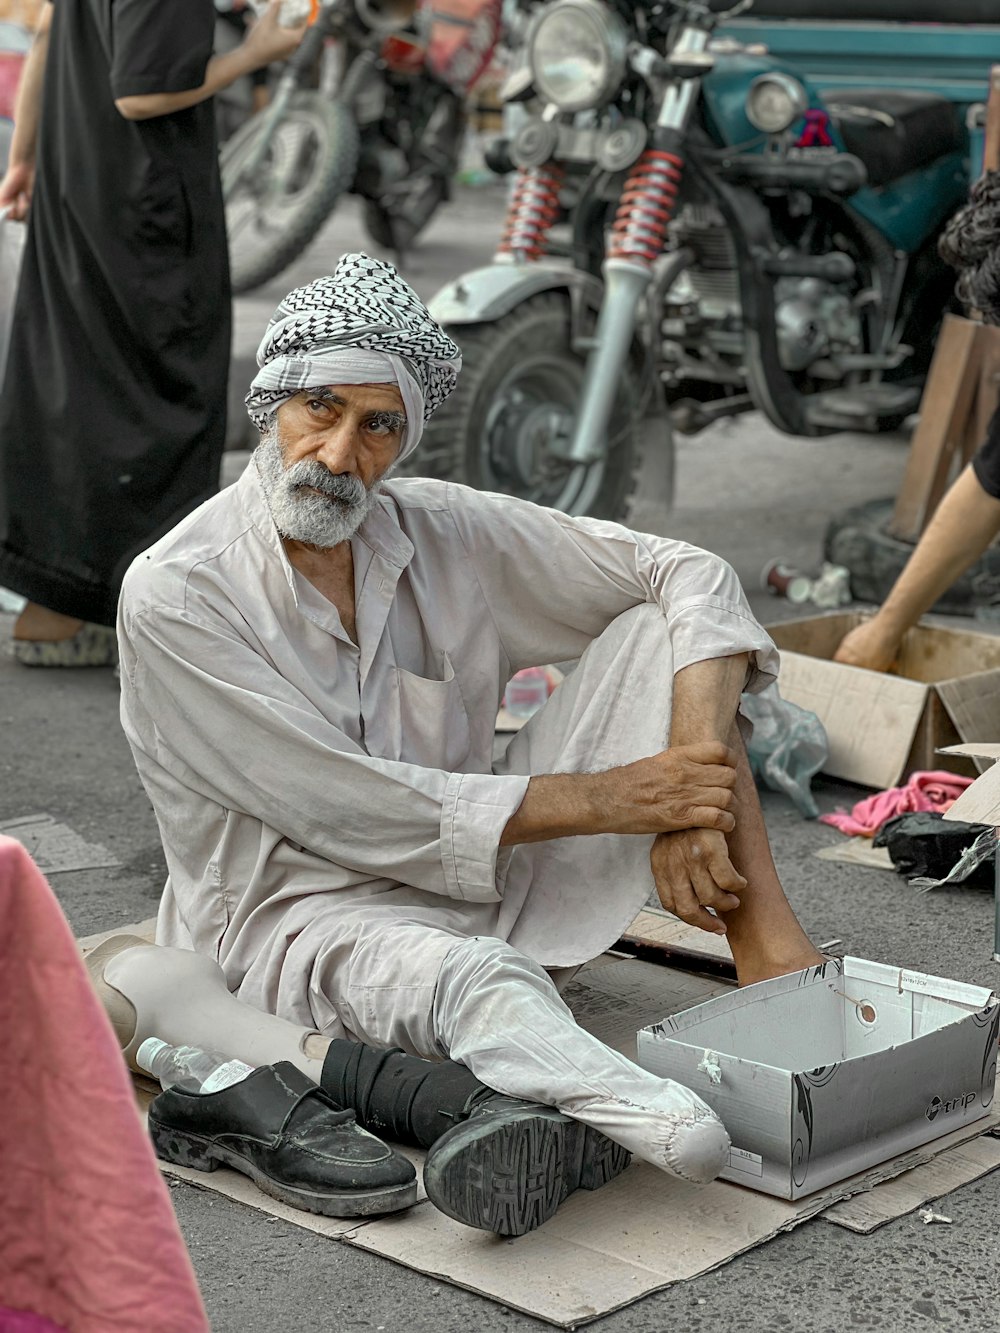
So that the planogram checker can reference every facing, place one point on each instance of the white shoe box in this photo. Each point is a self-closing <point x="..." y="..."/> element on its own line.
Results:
<point x="823" y="1073"/>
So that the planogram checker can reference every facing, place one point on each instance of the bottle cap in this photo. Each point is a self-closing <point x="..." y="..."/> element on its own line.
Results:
<point x="148" y="1052"/>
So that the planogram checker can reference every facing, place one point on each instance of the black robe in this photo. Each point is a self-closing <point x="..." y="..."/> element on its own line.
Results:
<point x="112" y="414"/>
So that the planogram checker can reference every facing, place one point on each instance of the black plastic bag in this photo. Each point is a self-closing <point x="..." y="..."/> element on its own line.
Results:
<point x="928" y="848"/>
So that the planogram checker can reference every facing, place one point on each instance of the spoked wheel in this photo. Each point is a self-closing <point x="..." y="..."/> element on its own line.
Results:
<point x="275" y="210"/>
<point x="507" y="426"/>
<point x="395" y="221"/>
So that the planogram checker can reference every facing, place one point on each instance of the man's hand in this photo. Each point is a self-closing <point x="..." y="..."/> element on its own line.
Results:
<point x="268" y="42"/>
<point x="869" y="645"/>
<point x="16" y="190"/>
<point x="692" y="871"/>
<point x="687" y="786"/>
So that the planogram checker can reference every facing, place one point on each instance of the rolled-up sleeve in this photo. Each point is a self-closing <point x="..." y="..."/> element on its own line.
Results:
<point x="555" y="583"/>
<point x="203" y="705"/>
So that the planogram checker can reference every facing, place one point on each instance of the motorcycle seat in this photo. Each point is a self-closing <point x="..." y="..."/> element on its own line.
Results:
<point x="894" y="133"/>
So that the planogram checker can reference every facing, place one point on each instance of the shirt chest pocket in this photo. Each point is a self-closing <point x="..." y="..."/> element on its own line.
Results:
<point x="432" y="724"/>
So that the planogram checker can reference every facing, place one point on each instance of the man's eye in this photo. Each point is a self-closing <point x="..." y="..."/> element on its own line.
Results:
<point x="317" y="404"/>
<point x="383" y="426"/>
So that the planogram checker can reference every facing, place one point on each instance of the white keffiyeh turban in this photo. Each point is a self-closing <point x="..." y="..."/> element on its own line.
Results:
<point x="364" y="325"/>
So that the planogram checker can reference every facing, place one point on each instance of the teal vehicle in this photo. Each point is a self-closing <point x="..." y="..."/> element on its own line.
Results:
<point x="713" y="211"/>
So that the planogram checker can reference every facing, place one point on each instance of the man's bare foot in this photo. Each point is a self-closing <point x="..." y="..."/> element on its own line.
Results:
<point x="40" y="625"/>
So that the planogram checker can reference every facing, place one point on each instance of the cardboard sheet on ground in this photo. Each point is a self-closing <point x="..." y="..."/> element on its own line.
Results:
<point x="55" y="847"/>
<point x="657" y="929"/>
<point x="644" y="1231"/>
<point x="857" y="852"/>
<point x="956" y="1166"/>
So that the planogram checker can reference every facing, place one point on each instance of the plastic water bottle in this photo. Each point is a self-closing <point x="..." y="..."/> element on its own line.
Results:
<point x="526" y="692"/>
<point x="188" y="1067"/>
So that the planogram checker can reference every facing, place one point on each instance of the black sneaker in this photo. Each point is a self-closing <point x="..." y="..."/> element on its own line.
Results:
<point x="509" y="1166"/>
<point x="280" y="1129"/>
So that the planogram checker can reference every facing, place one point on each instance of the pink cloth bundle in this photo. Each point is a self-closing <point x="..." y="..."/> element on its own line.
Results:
<point x="933" y="790"/>
<point x="88" y="1237"/>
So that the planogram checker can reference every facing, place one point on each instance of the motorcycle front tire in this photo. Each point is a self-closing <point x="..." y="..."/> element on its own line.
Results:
<point x="296" y="213"/>
<point x="519" y="374"/>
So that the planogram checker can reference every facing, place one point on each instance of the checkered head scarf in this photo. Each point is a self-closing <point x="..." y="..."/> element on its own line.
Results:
<point x="364" y="325"/>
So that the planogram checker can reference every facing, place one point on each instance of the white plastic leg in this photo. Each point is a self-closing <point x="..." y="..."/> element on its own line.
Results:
<point x="182" y="997"/>
<point x="497" y="1012"/>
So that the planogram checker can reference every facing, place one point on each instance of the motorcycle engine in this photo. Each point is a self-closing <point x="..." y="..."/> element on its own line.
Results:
<point x="814" y="318"/>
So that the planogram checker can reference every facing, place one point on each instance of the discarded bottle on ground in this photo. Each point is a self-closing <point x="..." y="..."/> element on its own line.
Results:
<point x="188" y="1067"/>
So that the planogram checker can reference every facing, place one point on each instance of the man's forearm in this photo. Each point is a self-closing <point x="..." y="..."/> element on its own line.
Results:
<point x="557" y="805"/>
<point x="683" y="787"/>
<point x="28" y="106"/>
<point x="964" y="524"/>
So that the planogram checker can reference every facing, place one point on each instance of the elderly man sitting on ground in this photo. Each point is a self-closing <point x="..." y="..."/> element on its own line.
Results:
<point x="311" y="668"/>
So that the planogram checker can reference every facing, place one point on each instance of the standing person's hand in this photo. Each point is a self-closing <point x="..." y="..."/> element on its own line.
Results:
<point x="869" y="645"/>
<point x="267" y="41"/>
<point x="16" y="190"/>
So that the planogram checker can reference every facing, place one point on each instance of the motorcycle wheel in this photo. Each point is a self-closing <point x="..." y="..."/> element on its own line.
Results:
<point x="516" y="397"/>
<point x="272" y="216"/>
<point x="397" y="231"/>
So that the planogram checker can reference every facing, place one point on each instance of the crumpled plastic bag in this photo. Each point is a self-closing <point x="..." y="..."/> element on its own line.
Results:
<point x="788" y="746"/>
<point x="932" y="851"/>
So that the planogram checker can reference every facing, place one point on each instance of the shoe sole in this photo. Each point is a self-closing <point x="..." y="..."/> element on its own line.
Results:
<point x="509" y="1174"/>
<point x="199" y="1154"/>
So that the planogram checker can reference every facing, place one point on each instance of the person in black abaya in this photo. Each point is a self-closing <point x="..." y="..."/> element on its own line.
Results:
<point x="112" y="414"/>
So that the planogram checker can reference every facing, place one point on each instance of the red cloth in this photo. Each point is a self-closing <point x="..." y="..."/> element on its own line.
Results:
<point x="88" y="1236"/>
<point x="933" y="790"/>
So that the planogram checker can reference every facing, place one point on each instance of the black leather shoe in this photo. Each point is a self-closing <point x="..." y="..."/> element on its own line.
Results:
<point x="510" y="1164"/>
<point x="280" y="1129"/>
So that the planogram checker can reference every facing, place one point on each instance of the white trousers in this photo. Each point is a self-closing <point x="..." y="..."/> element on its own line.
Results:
<point x="375" y="969"/>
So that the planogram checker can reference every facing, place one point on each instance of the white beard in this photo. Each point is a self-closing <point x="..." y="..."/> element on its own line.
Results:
<point x="323" y="517"/>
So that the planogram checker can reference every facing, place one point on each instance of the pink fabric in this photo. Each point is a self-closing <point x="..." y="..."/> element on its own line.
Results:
<point x="934" y="790"/>
<point x="88" y="1237"/>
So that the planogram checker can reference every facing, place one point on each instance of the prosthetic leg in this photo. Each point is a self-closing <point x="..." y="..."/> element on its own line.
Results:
<point x="515" y="1163"/>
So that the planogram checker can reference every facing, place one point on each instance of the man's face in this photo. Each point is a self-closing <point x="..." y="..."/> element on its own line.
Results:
<point x="322" y="459"/>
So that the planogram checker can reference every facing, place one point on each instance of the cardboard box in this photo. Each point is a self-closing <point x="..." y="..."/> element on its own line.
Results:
<point x="883" y="727"/>
<point x="823" y="1073"/>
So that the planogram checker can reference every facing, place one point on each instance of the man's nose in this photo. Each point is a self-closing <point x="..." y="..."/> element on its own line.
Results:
<point x="339" y="448"/>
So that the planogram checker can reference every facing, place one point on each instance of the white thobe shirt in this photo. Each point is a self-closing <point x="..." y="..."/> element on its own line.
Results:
<point x="296" y="775"/>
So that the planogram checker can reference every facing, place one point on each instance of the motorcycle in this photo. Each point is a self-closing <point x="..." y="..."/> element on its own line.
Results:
<point x="735" y="241"/>
<point x="372" y="103"/>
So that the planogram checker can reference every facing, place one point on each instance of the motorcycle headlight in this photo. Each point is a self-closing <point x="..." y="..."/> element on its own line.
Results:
<point x="774" y="102"/>
<point x="577" y="50"/>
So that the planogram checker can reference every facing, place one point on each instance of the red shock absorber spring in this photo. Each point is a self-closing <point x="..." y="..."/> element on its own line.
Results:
<point x="647" y="204"/>
<point x="533" y="207"/>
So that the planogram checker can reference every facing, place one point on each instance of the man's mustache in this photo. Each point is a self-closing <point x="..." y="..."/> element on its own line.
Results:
<point x="336" y="485"/>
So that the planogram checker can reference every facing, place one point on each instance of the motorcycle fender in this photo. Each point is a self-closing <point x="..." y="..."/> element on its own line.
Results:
<point x="487" y="294"/>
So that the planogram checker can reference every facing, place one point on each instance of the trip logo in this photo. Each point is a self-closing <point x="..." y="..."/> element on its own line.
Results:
<point x="936" y="1106"/>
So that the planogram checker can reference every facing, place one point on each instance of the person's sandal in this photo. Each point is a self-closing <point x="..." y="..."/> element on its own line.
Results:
<point x="91" y="646"/>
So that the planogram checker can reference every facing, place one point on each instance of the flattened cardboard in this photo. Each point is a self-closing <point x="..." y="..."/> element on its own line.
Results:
<point x="676" y="940"/>
<point x="856" y="852"/>
<point x="882" y="727"/>
<point x="601" y="1251"/>
<point x="641" y="1233"/>
<point x="961" y="1164"/>
<point x="824" y="1073"/>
